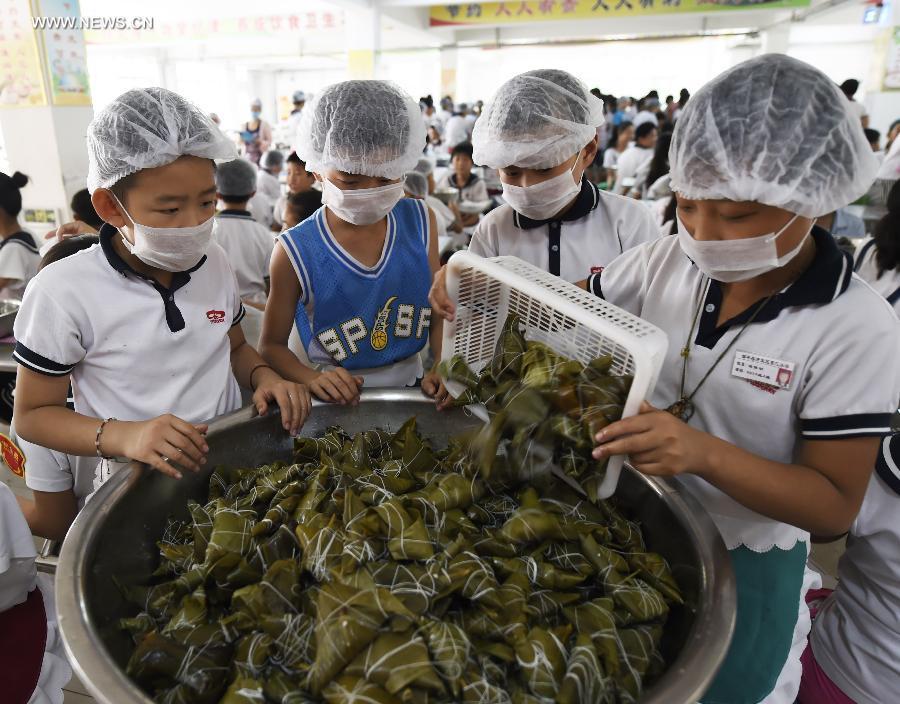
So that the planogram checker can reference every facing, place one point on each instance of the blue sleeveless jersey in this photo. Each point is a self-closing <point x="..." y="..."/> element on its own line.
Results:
<point x="361" y="317"/>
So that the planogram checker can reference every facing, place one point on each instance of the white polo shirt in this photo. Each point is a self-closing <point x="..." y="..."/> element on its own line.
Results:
<point x="134" y="349"/>
<point x="819" y="362"/>
<point x="268" y="185"/>
<point x="856" y="635"/>
<point x="249" y="248"/>
<point x="628" y="165"/>
<point x="835" y="339"/>
<point x="54" y="472"/>
<point x="19" y="259"/>
<point x="474" y="190"/>
<point x="595" y="230"/>
<point x="887" y="284"/>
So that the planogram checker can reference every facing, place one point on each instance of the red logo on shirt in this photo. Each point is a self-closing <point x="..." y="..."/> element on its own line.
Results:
<point x="216" y="316"/>
<point x="596" y="269"/>
<point x="12" y="456"/>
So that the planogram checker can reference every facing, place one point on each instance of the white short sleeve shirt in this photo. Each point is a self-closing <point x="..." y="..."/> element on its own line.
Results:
<point x="630" y="162"/>
<point x="134" y="349"/>
<point x="886" y="283"/>
<point x="596" y="230"/>
<point x="19" y="259"/>
<point x="856" y="635"/>
<point x="268" y="185"/>
<point x="474" y="190"/>
<point x="819" y="362"/>
<point x="249" y="248"/>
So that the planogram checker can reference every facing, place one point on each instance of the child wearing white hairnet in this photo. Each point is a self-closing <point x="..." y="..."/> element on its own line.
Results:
<point x="144" y="325"/>
<point x="540" y="132"/>
<point x="355" y="276"/>
<point x="782" y="369"/>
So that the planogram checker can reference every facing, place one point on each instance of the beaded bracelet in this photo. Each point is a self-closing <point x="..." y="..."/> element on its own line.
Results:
<point x="97" y="439"/>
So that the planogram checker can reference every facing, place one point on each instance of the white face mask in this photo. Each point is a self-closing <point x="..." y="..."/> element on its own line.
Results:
<point x="362" y="206"/>
<point x="730" y="261"/>
<point x="169" y="248"/>
<point x="542" y="201"/>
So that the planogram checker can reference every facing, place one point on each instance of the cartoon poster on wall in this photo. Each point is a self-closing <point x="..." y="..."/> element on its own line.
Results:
<point x="65" y="55"/>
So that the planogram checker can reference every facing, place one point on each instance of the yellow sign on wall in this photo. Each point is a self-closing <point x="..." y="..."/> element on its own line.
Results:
<point x="21" y="78"/>
<point x="525" y="11"/>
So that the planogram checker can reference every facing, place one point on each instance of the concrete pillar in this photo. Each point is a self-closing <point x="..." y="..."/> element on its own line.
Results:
<point x="449" y="61"/>
<point x="363" y="39"/>
<point x="45" y="139"/>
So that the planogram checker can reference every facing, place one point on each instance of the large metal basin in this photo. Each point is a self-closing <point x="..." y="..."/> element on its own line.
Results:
<point x="115" y="535"/>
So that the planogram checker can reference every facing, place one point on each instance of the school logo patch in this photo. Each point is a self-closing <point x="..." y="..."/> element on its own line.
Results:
<point x="596" y="269"/>
<point x="12" y="456"/>
<point x="216" y="316"/>
<point x="379" y="337"/>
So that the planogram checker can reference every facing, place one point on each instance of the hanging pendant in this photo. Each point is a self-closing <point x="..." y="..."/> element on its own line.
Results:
<point x="683" y="409"/>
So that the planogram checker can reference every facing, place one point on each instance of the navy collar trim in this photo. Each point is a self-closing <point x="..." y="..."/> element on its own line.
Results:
<point x="826" y="278"/>
<point x="586" y="202"/>
<point x="23" y="238"/>
<point x="174" y="318"/>
<point x="234" y="213"/>
<point x="452" y="180"/>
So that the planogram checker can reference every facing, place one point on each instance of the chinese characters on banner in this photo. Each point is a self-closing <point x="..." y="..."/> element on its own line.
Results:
<point x="523" y="11"/>
<point x="21" y="79"/>
<point x="165" y="30"/>
<point x="65" y="56"/>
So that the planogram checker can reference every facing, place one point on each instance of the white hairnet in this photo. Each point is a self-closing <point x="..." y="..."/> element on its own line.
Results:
<point x="370" y="128"/>
<point x="236" y="178"/>
<point x="272" y="159"/>
<point x="772" y="130"/>
<point x="147" y="128"/>
<point x="536" y="120"/>
<point x="424" y="166"/>
<point x="415" y="184"/>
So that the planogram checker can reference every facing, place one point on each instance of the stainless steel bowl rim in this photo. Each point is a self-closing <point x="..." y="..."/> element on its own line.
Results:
<point x="685" y="679"/>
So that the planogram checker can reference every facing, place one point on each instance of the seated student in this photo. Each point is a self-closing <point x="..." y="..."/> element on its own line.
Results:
<point x="18" y="251"/>
<point x="852" y="653"/>
<point x="469" y="186"/>
<point x="60" y="483"/>
<point x="773" y="422"/>
<point x="270" y="166"/>
<point x="144" y="326"/>
<point x="299" y="180"/>
<point x="878" y="261"/>
<point x="621" y="140"/>
<point x="448" y="214"/>
<point x="247" y="244"/>
<point x="299" y="206"/>
<point x="355" y="276"/>
<point x="34" y="668"/>
<point x="635" y="157"/>
<point x="540" y="131"/>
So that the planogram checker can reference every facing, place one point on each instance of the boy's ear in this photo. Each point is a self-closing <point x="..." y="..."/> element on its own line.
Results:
<point x="107" y="208"/>
<point x="590" y="150"/>
<point x="317" y="176"/>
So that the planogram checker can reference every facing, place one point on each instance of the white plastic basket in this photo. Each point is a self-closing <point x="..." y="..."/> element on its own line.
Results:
<point x="573" y="322"/>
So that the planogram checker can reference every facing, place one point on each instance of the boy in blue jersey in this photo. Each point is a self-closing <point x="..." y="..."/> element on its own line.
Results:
<point x="355" y="276"/>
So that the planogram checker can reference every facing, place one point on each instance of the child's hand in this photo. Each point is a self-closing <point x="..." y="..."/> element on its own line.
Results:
<point x="337" y="386"/>
<point x="433" y="386"/>
<point x="161" y="442"/>
<point x="293" y="399"/>
<point x="438" y="297"/>
<point x="656" y="442"/>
